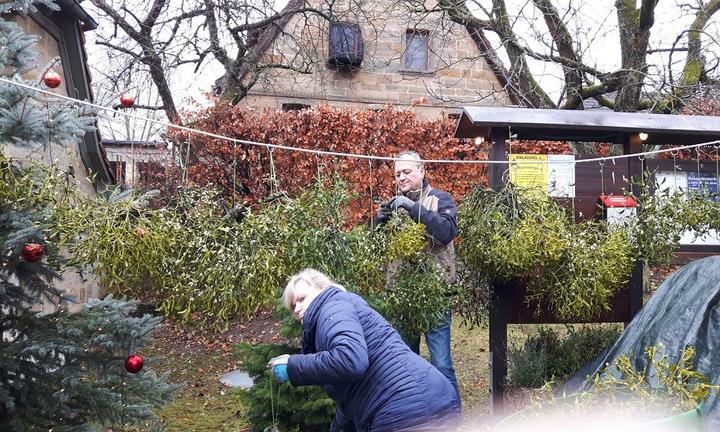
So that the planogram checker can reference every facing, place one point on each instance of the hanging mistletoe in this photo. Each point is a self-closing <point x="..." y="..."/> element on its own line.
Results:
<point x="573" y="269"/>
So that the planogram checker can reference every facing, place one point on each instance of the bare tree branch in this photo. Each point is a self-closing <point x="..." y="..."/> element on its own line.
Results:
<point x="563" y="41"/>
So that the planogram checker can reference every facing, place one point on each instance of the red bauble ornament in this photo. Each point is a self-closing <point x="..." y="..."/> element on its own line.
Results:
<point x="134" y="363"/>
<point x="52" y="79"/>
<point x="32" y="252"/>
<point x="127" y="101"/>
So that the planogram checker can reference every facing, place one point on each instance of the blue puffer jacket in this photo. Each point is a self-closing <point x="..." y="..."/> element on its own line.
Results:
<point x="378" y="384"/>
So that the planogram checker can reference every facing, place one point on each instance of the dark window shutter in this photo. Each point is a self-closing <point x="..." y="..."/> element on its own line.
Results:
<point x="346" y="45"/>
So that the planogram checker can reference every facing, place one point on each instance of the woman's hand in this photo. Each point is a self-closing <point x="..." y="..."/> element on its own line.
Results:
<point x="279" y="367"/>
<point x="280" y="373"/>
<point x="279" y="360"/>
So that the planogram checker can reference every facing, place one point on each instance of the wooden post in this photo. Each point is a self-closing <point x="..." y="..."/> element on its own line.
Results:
<point x="498" y="348"/>
<point x="636" y="170"/>
<point x="498" y="303"/>
<point x="498" y="152"/>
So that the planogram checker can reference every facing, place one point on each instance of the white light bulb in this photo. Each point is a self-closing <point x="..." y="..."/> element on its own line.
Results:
<point x="643" y="136"/>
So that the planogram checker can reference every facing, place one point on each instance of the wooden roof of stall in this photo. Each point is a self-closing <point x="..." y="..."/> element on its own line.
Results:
<point x="591" y="126"/>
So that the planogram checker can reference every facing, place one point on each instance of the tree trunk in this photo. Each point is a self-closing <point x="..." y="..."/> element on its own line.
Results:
<point x="152" y="59"/>
<point x="564" y="43"/>
<point x="519" y="70"/>
<point x="635" y="27"/>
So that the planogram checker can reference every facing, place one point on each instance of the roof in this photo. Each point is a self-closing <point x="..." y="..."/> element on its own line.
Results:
<point x="128" y="143"/>
<point x="579" y="125"/>
<point x="493" y="60"/>
<point x="73" y="7"/>
<point x="269" y="33"/>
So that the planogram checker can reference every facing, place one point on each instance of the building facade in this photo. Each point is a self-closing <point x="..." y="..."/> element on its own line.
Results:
<point x="61" y="46"/>
<point x="408" y="59"/>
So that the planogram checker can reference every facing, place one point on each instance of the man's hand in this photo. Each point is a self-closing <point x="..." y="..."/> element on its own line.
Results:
<point x="400" y="201"/>
<point x="383" y="213"/>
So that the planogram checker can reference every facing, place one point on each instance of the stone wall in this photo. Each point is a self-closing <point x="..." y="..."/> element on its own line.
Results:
<point x="457" y="74"/>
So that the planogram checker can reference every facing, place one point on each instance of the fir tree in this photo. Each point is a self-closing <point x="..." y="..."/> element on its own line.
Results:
<point x="28" y="118"/>
<point x="272" y="406"/>
<point x="58" y="371"/>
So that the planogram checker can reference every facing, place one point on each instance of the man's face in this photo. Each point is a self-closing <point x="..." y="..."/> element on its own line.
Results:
<point x="408" y="175"/>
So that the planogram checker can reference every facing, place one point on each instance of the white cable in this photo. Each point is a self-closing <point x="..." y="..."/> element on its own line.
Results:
<point x="339" y="154"/>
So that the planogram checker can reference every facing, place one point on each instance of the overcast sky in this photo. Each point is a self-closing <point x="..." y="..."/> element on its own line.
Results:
<point x="593" y="24"/>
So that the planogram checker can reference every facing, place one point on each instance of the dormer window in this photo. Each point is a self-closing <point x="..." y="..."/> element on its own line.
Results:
<point x="417" y="50"/>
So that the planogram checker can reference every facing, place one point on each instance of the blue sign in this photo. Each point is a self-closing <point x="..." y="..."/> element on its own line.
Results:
<point x="704" y="183"/>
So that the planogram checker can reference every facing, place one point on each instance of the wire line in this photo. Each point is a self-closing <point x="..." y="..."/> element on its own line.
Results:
<point x="340" y="154"/>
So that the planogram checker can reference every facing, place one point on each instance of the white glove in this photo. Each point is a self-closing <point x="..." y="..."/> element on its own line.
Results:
<point x="279" y="360"/>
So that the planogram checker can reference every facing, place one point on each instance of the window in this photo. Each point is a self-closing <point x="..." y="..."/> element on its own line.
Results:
<point x="417" y="50"/>
<point x="294" y="106"/>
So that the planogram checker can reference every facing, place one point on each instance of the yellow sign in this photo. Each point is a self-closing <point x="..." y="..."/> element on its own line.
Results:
<point x="529" y="171"/>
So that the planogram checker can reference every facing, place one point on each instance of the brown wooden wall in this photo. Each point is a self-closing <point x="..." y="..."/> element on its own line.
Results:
<point x="588" y="187"/>
<point x="520" y="312"/>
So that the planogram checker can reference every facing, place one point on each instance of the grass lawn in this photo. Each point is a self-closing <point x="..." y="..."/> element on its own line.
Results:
<point x="196" y="360"/>
<point x="202" y="403"/>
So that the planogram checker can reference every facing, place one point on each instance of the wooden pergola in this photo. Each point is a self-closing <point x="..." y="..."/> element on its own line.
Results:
<point x="498" y="124"/>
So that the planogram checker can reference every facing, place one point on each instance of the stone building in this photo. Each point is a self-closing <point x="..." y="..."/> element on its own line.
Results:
<point x="61" y="46"/>
<point x="407" y="59"/>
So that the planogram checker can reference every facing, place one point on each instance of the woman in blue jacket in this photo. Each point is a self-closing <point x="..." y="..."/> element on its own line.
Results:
<point x="377" y="382"/>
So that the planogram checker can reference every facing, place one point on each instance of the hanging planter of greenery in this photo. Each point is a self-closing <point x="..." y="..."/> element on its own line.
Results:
<point x="573" y="269"/>
<point x="584" y="278"/>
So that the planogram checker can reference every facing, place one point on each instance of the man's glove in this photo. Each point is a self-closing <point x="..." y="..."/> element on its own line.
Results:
<point x="383" y="213"/>
<point x="280" y="373"/>
<point x="400" y="201"/>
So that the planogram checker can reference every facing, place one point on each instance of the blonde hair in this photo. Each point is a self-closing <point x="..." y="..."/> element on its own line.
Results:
<point x="316" y="279"/>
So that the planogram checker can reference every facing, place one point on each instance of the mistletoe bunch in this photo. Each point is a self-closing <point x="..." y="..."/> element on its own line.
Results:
<point x="513" y="234"/>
